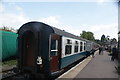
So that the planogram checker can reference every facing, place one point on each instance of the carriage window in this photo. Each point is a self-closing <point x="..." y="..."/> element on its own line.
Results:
<point x="76" y="47"/>
<point x="81" y="46"/>
<point x="69" y="41"/>
<point x="68" y="47"/>
<point x="54" y="47"/>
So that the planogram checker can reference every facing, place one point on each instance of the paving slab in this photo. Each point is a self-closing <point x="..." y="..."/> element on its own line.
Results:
<point x="72" y="73"/>
<point x="100" y="66"/>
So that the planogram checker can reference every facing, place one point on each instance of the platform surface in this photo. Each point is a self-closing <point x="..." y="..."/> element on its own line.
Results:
<point x="99" y="67"/>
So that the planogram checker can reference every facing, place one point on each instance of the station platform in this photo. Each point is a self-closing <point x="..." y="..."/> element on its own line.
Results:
<point x="98" y="68"/>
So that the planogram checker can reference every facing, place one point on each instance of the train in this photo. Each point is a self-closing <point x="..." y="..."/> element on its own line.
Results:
<point x="44" y="50"/>
<point x="8" y="42"/>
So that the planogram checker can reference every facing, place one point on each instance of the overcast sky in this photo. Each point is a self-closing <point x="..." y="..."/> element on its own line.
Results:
<point x="99" y="17"/>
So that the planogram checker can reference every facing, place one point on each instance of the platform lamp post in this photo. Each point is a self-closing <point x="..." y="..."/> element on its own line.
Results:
<point x="119" y="45"/>
<point x="119" y="39"/>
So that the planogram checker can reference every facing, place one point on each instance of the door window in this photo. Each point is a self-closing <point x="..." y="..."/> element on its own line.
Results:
<point x="54" y="47"/>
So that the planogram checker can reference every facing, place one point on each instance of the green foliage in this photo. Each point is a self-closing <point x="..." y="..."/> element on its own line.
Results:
<point x="98" y="41"/>
<point x="113" y="40"/>
<point x="87" y="35"/>
<point x="9" y="29"/>
<point x="10" y="62"/>
<point x="103" y="38"/>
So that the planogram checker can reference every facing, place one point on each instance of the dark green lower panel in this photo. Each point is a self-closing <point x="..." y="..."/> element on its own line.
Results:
<point x="70" y="59"/>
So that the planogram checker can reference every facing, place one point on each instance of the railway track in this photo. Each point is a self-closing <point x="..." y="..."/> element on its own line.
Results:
<point x="8" y="74"/>
<point x="11" y="75"/>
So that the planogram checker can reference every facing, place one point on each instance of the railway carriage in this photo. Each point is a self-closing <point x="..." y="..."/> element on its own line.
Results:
<point x="8" y="45"/>
<point x="45" y="50"/>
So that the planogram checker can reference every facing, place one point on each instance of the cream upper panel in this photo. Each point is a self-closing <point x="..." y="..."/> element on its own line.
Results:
<point x="64" y="43"/>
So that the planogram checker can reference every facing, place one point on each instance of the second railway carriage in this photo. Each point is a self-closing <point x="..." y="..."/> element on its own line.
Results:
<point x="47" y="50"/>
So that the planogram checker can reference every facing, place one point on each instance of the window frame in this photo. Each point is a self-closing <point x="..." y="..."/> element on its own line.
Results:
<point x="69" y="44"/>
<point x="76" y="46"/>
<point x="54" y="50"/>
<point x="81" y="46"/>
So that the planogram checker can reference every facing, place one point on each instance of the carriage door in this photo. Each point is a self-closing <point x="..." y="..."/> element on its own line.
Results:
<point x="29" y="49"/>
<point x="55" y="52"/>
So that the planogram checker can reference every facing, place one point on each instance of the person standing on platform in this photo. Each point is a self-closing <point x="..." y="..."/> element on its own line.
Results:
<point x="114" y="53"/>
<point x="92" y="52"/>
<point x="100" y="49"/>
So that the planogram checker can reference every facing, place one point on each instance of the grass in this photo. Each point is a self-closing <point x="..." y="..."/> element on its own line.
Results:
<point x="9" y="62"/>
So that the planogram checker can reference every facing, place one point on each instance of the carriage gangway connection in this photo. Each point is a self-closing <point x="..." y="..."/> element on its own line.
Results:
<point x="98" y="68"/>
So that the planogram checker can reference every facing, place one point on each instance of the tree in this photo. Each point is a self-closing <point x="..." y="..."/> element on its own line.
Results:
<point x="113" y="41"/>
<point x="9" y="29"/>
<point x="87" y="35"/>
<point x="98" y="41"/>
<point x="103" y="38"/>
